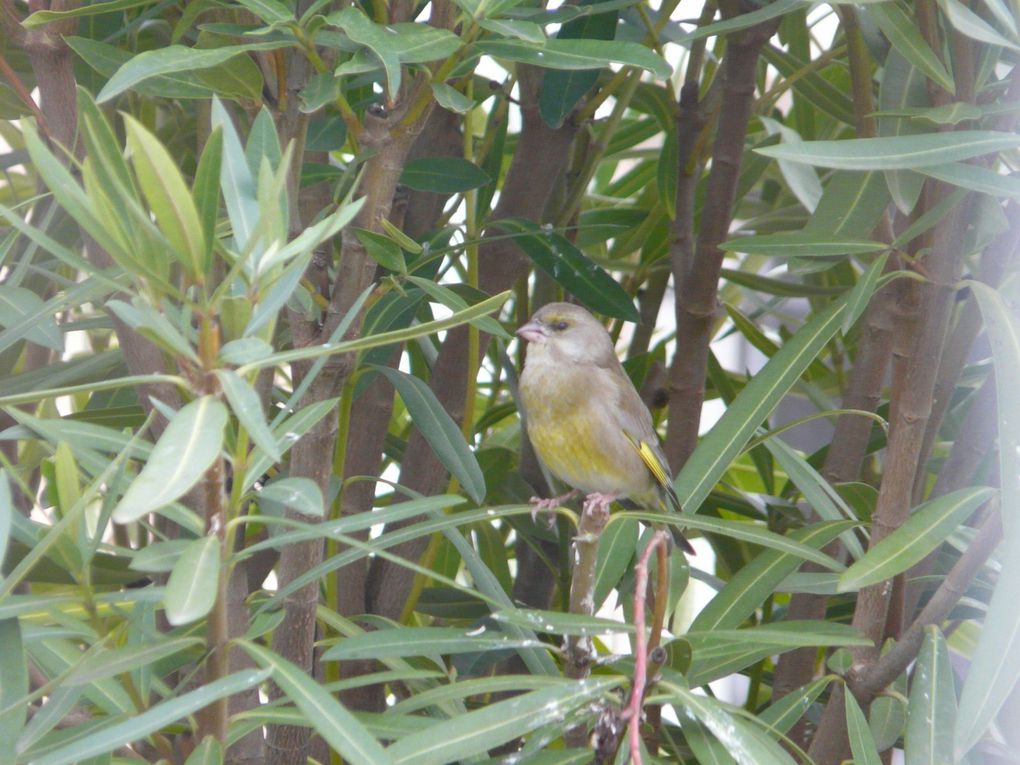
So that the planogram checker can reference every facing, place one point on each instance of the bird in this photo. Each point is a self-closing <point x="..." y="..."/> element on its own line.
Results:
<point x="585" y="419"/>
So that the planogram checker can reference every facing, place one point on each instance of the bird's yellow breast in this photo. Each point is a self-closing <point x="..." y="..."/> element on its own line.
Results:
<point x="575" y="437"/>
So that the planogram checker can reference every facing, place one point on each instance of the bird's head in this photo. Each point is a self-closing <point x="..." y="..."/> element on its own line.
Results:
<point x="562" y="331"/>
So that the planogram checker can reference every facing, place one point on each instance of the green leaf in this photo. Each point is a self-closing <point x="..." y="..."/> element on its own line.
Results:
<point x="931" y="710"/>
<point x="18" y="304"/>
<point x="443" y="175"/>
<point x="175" y="58"/>
<point x="109" y="737"/>
<point x="975" y="178"/>
<point x="104" y="664"/>
<point x="416" y="43"/>
<point x="168" y="197"/>
<point x="1003" y="330"/>
<point x="753" y="404"/>
<point x="996" y="663"/>
<point x="576" y="54"/>
<point x="337" y="726"/>
<point x="862" y="743"/>
<point x="894" y="153"/>
<point x="39" y="18"/>
<point x="206" y="188"/>
<point x="159" y="557"/>
<point x="382" y="250"/>
<point x="528" y="31"/>
<point x="423" y="641"/>
<point x="782" y="714"/>
<point x="451" y="99"/>
<point x="13" y="688"/>
<point x="801" y="244"/>
<point x="851" y="203"/>
<point x="561" y="90"/>
<point x="209" y="752"/>
<point x="300" y="494"/>
<point x="745" y="744"/>
<point x="6" y="516"/>
<point x="706" y="748"/>
<point x="247" y="406"/>
<point x="862" y="292"/>
<point x="925" y="529"/>
<point x="364" y="31"/>
<point x="557" y="623"/>
<point x="263" y="143"/>
<point x="822" y="498"/>
<point x="616" y="549"/>
<point x="191" y="588"/>
<point x="902" y="32"/>
<point x="187" y="448"/>
<point x="786" y="634"/>
<point x="439" y="430"/>
<point x="743" y="20"/>
<point x="571" y="269"/>
<point x="149" y="322"/>
<point x="453" y="301"/>
<point x="478" y="731"/>
<point x="886" y="718"/>
<point x="968" y="23"/>
<point x="903" y="86"/>
<point x="270" y="11"/>
<point x="236" y="180"/>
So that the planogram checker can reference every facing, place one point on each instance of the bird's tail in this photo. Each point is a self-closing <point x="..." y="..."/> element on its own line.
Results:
<point x="673" y="501"/>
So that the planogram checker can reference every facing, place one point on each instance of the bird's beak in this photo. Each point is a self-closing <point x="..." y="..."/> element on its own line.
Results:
<point x="532" y="332"/>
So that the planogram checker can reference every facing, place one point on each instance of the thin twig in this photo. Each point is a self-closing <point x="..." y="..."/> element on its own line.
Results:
<point x="659" y="540"/>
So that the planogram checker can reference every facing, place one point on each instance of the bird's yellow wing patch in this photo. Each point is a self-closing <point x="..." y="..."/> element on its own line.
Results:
<point x="656" y="467"/>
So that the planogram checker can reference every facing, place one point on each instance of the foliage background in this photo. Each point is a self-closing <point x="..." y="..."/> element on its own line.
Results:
<point x="258" y="254"/>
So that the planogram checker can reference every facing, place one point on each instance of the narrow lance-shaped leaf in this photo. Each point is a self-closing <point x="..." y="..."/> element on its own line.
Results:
<point x="925" y="529"/>
<point x="931" y="710"/>
<point x="902" y="32"/>
<point x="439" y="430"/>
<point x="1003" y="326"/>
<point x="576" y="54"/>
<point x="476" y="732"/>
<point x="862" y="743"/>
<point x="893" y="153"/>
<point x="245" y="403"/>
<point x="138" y="726"/>
<point x="572" y="269"/>
<point x="753" y="404"/>
<point x="13" y="687"/>
<point x="183" y="453"/>
<point x="364" y="31"/>
<point x="995" y="669"/>
<point x="331" y="720"/>
<point x="422" y="641"/>
<point x="176" y="58"/>
<point x="297" y="493"/>
<point x="996" y="666"/>
<point x="168" y="196"/>
<point x="191" y="589"/>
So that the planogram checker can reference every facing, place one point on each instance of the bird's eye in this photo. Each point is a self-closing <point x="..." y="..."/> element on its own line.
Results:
<point x="559" y="326"/>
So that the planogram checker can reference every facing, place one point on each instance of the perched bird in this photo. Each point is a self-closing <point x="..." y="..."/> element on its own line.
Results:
<point x="586" y="421"/>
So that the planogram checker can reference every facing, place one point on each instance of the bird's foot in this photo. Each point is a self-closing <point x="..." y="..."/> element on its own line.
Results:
<point x="597" y="505"/>
<point x="545" y="505"/>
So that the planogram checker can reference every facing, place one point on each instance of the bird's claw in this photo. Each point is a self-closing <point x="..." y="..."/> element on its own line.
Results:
<point x="597" y="506"/>
<point x="548" y="504"/>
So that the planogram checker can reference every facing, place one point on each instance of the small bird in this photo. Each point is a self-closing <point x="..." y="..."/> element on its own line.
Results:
<point x="584" y="417"/>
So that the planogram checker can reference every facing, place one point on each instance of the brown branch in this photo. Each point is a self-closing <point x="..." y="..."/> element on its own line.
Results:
<point x="539" y="159"/>
<point x="911" y="407"/>
<point x="698" y="284"/>
<point x="950" y="590"/>
<point x="659" y="543"/>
